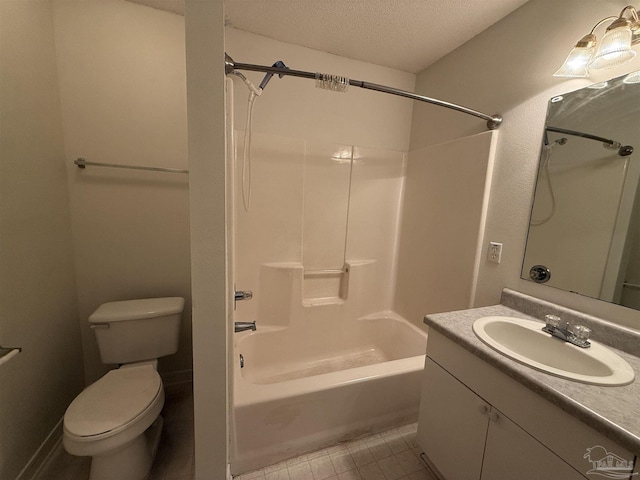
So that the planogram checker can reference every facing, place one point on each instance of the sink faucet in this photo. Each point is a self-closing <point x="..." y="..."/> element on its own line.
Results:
<point x="242" y="326"/>
<point x="574" y="334"/>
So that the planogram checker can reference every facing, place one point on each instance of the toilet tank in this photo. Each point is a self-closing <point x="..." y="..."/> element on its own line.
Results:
<point x="135" y="330"/>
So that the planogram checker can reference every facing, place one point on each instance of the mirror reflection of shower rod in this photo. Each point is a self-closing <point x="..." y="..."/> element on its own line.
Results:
<point x="623" y="150"/>
<point x="338" y="83"/>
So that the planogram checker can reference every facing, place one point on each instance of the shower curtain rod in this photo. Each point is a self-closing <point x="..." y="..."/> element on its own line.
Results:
<point x="493" y="121"/>
<point x="575" y="133"/>
<point x="623" y="150"/>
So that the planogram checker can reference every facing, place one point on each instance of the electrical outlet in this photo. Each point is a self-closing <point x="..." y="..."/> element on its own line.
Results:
<point x="494" y="255"/>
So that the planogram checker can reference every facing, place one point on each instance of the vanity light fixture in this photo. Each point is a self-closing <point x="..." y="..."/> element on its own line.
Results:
<point x="613" y="50"/>
<point x="633" y="77"/>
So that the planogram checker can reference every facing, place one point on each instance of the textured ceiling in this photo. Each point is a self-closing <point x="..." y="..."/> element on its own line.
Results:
<point x="407" y="35"/>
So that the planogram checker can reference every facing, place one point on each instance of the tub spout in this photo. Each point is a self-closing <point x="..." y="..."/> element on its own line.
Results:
<point x="242" y="326"/>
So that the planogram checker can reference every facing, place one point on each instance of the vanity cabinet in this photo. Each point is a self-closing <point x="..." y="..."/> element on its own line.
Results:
<point x="476" y="423"/>
<point x="466" y="438"/>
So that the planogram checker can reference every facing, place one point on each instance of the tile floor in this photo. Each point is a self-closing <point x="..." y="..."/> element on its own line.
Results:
<point x="391" y="455"/>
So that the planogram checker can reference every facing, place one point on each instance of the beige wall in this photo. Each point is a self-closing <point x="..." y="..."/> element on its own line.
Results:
<point x="122" y="87"/>
<point x="211" y="289"/>
<point x="38" y="304"/>
<point x="443" y="216"/>
<point x="295" y="108"/>
<point x="508" y="69"/>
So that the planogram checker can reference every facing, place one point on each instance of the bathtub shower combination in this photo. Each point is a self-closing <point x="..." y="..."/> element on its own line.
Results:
<point x="330" y="361"/>
<point x="329" y="376"/>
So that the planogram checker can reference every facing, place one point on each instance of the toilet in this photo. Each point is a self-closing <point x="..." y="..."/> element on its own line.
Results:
<point x="116" y="420"/>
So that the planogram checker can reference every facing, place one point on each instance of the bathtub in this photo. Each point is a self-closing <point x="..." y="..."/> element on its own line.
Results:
<point x="300" y="390"/>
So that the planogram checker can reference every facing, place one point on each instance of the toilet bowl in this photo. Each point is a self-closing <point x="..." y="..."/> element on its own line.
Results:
<point x="108" y="419"/>
<point x="116" y="420"/>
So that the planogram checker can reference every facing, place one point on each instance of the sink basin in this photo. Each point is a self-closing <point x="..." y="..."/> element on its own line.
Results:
<point x="524" y="341"/>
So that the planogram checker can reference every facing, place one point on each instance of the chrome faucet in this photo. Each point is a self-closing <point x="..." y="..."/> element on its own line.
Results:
<point x="574" y="334"/>
<point x="242" y="326"/>
<point x="239" y="295"/>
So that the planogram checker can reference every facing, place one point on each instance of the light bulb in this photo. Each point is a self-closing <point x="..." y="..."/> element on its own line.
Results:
<point x="577" y="62"/>
<point x="615" y="47"/>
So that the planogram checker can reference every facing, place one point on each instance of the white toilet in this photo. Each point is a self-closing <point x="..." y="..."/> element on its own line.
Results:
<point x="116" y="420"/>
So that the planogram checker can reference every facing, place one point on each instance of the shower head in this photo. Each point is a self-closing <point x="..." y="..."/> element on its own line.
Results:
<point x="267" y="77"/>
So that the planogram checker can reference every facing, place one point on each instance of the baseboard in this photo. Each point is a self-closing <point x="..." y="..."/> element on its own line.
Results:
<point x="176" y="378"/>
<point x="39" y="459"/>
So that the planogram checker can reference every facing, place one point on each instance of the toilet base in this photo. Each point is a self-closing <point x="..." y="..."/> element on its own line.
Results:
<point x="133" y="461"/>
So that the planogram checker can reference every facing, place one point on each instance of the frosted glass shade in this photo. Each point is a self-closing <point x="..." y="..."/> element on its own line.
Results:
<point x="577" y="63"/>
<point x="632" y="78"/>
<point x="615" y="49"/>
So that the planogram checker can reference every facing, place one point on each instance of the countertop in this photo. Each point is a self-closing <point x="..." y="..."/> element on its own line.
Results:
<point x="612" y="411"/>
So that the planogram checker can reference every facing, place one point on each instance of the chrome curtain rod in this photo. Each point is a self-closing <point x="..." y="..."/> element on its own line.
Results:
<point x="82" y="163"/>
<point x="575" y="133"/>
<point x="623" y="150"/>
<point x="493" y="121"/>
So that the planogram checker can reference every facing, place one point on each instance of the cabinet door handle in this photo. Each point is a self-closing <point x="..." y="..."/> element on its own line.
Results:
<point x="494" y="417"/>
<point x="483" y="409"/>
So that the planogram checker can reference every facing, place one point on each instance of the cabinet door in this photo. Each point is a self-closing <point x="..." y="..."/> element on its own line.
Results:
<point x="513" y="453"/>
<point x="452" y="426"/>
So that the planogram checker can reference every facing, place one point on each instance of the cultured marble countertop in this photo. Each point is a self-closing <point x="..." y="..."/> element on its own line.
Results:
<point x="612" y="411"/>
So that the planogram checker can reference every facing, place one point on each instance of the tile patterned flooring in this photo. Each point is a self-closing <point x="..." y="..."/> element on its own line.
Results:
<point x="391" y="455"/>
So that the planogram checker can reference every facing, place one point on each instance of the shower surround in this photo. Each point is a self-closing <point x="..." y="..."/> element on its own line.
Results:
<point x="335" y="262"/>
<point x="324" y="377"/>
<point x="341" y="273"/>
<point x="317" y="248"/>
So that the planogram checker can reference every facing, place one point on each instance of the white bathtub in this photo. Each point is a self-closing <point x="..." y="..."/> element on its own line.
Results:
<point x="301" y="392"/>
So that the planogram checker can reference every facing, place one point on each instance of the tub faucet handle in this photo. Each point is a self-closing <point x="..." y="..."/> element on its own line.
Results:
<point x="241" y="295"/>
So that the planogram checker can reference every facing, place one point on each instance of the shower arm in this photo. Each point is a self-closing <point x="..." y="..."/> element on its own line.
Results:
<point x="493" y="121"/>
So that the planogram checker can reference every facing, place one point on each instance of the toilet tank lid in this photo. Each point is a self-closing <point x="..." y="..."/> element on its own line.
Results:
<point x="135" y="309"/>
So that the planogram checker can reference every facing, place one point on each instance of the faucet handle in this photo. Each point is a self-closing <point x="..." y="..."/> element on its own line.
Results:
<point x="553" y="321"/>
<point x="581" y="332"/>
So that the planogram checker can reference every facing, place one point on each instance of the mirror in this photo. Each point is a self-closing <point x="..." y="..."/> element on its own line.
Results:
<point x="584" y="229"/>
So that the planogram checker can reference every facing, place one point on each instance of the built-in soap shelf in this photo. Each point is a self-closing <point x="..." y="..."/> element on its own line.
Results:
<point x="322" y="302"/>
<point x="289" y="293"/>
<point x="325" y="286"/>
<point x="327" y="272"/>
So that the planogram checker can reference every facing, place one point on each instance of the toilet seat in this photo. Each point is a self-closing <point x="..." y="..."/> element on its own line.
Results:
<point x="112" y="403"/>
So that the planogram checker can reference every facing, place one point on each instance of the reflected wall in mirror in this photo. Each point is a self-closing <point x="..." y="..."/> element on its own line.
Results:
<point x="584" y="230"/>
